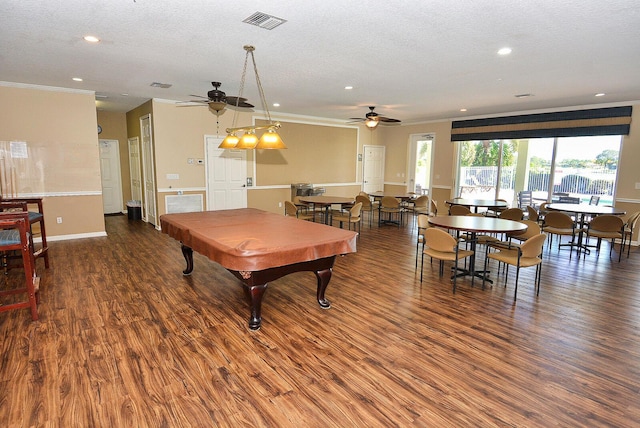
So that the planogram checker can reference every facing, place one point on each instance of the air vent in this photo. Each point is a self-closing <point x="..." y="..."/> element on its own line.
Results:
<point x="161" y="85"/>
<point x="265" y="21"/>
<point x="523" y="95"/>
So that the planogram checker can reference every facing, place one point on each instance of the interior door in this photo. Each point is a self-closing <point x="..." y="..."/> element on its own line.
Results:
<point x="226" y="172"/>
<point x="134" y="169"/>
<point x="373" y="169"/>
<point x="149" y="179"/>
<point x="110" y="176"/>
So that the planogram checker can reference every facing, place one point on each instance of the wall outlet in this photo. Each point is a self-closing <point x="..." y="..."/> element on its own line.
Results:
<point x="59" y="220"/>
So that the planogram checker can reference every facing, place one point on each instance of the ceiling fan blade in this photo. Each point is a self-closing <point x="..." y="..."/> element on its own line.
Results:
<point x="198" y="96"/>
<point x="388" y="120"/>
<point x="193" y="102"/>
<point x="357" y="119"/>
<point x="239" y="102"/>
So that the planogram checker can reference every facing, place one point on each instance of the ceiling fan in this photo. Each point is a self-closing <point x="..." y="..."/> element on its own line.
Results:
<point x="372" y="119"/>
<point x="217" y="100"/>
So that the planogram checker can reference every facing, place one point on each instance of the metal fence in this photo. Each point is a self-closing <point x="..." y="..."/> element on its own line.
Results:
<point x="580" y="181"/>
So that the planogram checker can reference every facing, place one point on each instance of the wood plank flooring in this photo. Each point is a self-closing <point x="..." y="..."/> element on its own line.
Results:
<point x="124" y="340"/>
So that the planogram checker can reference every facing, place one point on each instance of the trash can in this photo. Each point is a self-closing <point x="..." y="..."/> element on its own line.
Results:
<point x="134" y="210"/>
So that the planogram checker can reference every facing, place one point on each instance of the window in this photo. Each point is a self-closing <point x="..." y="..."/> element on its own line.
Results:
<point x="549" y="167"/>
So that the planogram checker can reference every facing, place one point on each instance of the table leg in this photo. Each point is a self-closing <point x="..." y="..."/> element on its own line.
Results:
<point x="255" y="283"/>
<point x="187" y="252"/>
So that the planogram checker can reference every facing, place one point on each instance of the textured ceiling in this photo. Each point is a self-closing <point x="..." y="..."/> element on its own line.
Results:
<point x="415" y="60"/>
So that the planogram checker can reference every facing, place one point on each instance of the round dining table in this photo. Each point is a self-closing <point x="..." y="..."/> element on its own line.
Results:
<point x="325" y="201"/>
<point x="581" y="212"/>
<point x="475" y="225"/>
<point x="478" y="203"/>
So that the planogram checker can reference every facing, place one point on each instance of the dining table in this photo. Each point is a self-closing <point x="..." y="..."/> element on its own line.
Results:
<point x="325" y="201"/>
<point x="581" y="212"/>
<point x="474" y="225"/>
<point x="478" y="203"/>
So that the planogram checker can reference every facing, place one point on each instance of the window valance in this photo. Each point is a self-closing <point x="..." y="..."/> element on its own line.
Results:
<point x="578" y="123"/>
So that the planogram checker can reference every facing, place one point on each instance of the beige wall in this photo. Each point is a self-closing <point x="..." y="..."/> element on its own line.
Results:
<point x="59" y="128"/>
<point x="397" y="142"/>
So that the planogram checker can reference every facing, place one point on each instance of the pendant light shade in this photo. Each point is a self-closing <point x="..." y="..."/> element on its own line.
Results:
<point x="270" y="140"/>
<point x="248" y="141"/>
<point x="229" y="142"/>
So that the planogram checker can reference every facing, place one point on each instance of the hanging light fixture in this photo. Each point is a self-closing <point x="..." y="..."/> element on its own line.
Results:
<point x="270" y="139"/>
<point x="371" y="123"/>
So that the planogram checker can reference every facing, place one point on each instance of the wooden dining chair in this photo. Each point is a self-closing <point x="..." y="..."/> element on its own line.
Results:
<point x="459" y="210"/>
<point x="291" y="210"/>
<point x="561" y="224"/>
<point x="14" y="238"/>
<point x="629" y="227"/>
<point x="529" y="254"/>
<point x="351" y="217"/>
<point x="367" y="206"/>
<point x="391" y="207"/>
<point x="36" y="218"/>
<point x="439" y="245"/>
<point x="606" y="227"/>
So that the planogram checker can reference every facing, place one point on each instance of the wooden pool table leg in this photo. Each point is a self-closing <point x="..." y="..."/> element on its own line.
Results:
<point x="187" y="252"/>
<point x="324" y="276"/>
<point x="255" y="294"/>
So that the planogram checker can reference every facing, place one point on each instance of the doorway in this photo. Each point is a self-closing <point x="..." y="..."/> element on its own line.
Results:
<point x="134" y="169"/>
<point x="421" y="160"/>
<point x="373" y="169"/>
<point x="148" y="171"/>
<point x="226" y="172"/>
<point x="110" y="176"/>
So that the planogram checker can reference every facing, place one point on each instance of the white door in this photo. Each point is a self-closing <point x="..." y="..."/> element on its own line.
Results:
<point x="134" y="169"/>
<point x="373" y="169"/>
<point x="110" y="174"/>
<point x="149" y="178"/>
<point x="226" y="172"/>
<point x="420" y="163"/>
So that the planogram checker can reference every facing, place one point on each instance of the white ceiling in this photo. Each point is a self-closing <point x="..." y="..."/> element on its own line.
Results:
<point x="415" y="60"/>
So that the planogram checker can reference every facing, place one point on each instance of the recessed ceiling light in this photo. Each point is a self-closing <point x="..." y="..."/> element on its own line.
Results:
<point x="77" y="79"/>
<point x="276" y="104"/>
<point x="463" y="109"/>
<point x="348" y="88"/>
<point x="504" y="51"/>
<point x="600" y="94"/>
<point x="91" y="39"/>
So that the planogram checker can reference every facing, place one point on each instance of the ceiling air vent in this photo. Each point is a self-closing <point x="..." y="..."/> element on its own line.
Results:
<point x="161" y="85"/>
<point x="265" y="21"/>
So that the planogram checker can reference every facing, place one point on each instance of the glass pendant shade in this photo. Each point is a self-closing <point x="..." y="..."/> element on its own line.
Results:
<point x="270" y="140"/>
<point x="371" y="123"/>
<point x="217" y="106"/>
<point x="248" y="141"/>
<point x="229" y="142"/>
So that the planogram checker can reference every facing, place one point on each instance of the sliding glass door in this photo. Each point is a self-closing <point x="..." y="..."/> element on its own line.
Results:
<point x="578" y="167"/>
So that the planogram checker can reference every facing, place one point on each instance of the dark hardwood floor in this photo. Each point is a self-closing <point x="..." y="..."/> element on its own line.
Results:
<point x="124" y="340"/>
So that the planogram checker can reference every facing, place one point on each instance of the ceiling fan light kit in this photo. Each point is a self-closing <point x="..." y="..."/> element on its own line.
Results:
<point x="270" y="139"/>
<point x="373" y="119"/>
